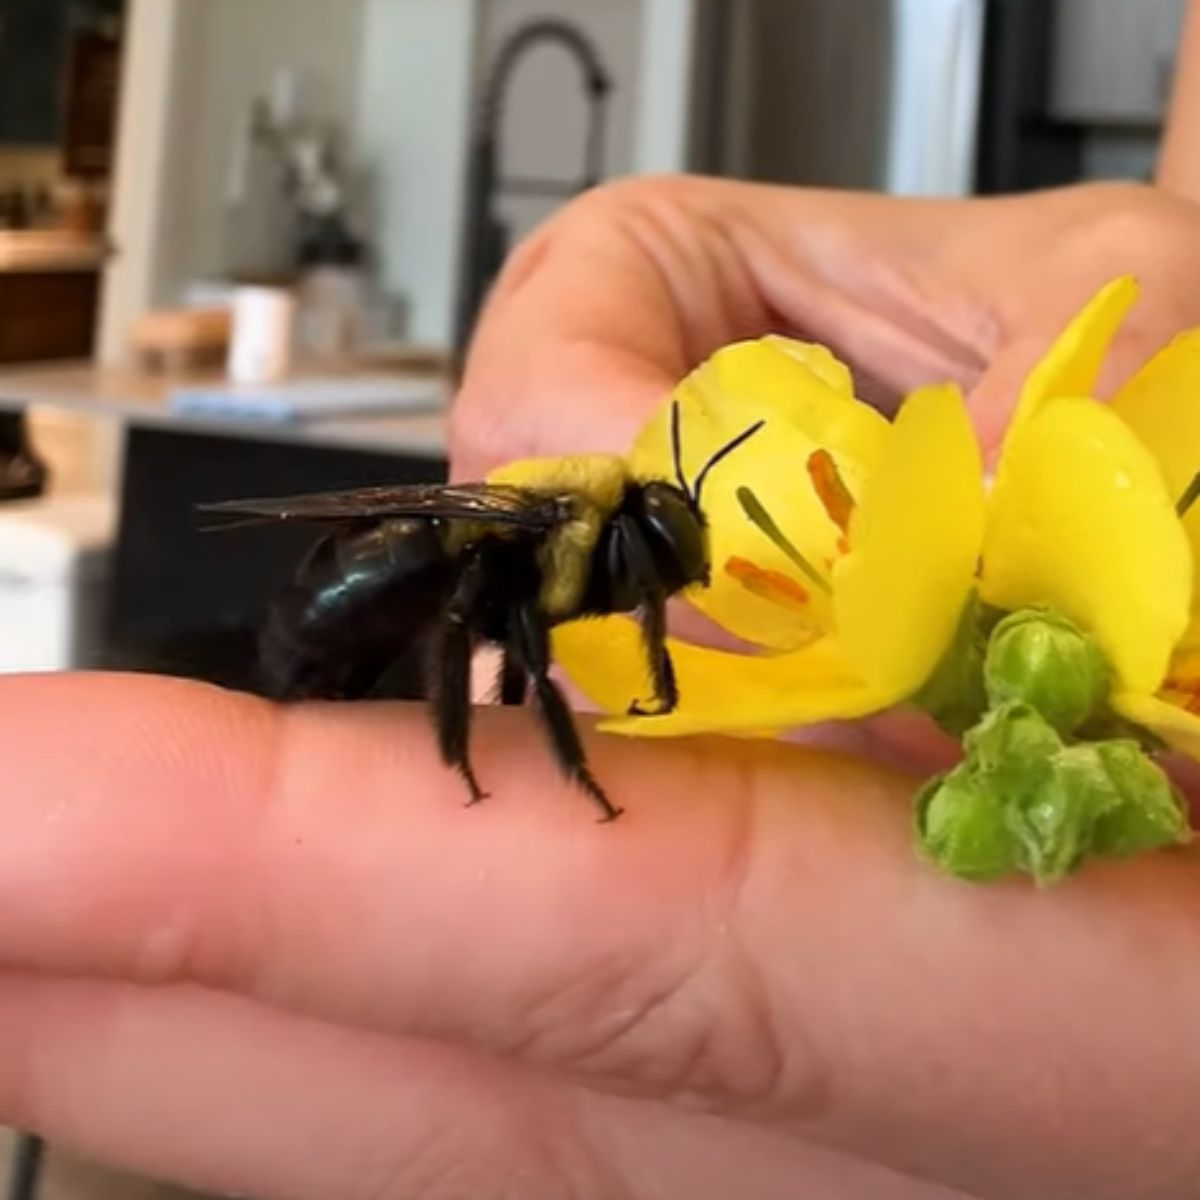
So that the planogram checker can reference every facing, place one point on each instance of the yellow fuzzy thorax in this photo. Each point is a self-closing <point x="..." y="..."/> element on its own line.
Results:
<point x="596" y="483"/>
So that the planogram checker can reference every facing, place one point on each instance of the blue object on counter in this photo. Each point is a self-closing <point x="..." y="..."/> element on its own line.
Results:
<point x="310" y="399"/>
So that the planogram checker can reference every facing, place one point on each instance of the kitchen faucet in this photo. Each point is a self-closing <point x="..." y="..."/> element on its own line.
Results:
<point x="486" y="237"/>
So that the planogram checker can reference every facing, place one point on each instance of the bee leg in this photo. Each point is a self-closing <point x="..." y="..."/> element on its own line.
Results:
<point x="652" y="614"/>
<point x="514" y="679"/>
<point x="534" y="641"/>
<point x="653" y="617"/>
<point x="450" y="668"/>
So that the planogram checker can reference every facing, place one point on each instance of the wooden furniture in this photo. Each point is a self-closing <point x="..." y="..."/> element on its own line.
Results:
<point x="47" y="314"/>
<point x="49" y="294"/>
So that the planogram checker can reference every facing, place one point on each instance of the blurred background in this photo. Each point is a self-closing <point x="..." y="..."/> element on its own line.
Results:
<point x="243" y="244"/>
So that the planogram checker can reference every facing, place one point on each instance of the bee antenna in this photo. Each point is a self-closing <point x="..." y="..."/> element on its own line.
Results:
<point x="720" y="456"/>
<point x="677" y="449"/>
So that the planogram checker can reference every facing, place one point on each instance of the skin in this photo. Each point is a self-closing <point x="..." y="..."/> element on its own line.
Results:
<point x="1178" y="168"/>
<point x="602" y="310"/>
<point x="271" y="954"/>
<point x="267" y="952"/>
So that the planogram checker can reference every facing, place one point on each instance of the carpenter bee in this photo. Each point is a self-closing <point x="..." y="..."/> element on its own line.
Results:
<point x="422" y="575"/>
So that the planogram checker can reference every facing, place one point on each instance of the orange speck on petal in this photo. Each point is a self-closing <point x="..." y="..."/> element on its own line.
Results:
<point x="831" y="488"/>
<point x="1185" y="696"/>
<point x="766" y="584"/>
<point x="1182" y="686"/>
<point x="843" y="545"/>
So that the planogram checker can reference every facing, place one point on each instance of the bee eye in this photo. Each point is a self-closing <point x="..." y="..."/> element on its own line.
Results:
<point x="675" y="533"/>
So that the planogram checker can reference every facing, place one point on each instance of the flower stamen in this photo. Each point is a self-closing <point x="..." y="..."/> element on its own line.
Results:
<point x="1189" y="497"/>
<point x="831" y="488"/>
<point x="767" y="584"/>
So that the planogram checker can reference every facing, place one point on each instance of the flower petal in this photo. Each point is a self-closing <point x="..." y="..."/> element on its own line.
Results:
<point x="916" y="537"/>
<point x="1161" y="404"/>
<point x="772" y="378"/>
<point x="801" y="392"/>
<point x="1176" y="726"/>
<point x="1080" y="521"/>
<point x="1072" y="365"/>
<point x="820" y="360"/>
<point x="787" y="616"/>
<point x="719" y="691"/>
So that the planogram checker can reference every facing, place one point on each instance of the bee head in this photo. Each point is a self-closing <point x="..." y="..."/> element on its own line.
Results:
<point x="674" y="515"/>
<point x="675" y="532"/>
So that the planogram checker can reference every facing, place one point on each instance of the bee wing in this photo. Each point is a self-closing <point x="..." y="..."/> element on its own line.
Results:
<point x="501" y="505"/>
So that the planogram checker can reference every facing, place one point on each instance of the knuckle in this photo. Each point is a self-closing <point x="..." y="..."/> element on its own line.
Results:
<point x="1128" y="222"/>
<point x="631" y="196"/>
<point x="696" y="1030"/>
<point x="693" y="1017"/>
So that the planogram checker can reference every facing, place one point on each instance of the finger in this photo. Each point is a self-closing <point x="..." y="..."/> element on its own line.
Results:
<point x="602" y="311"/>
<point x="324" y="859"/>
<point x="591" y="323"/>
<point x="219" y="1094"/>
<point x="1093" y="235"/>
<point x="756" y="935"/>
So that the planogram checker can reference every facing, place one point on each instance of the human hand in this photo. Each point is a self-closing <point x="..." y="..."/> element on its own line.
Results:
<point x="268" y="952"/>
<point x="607" y="306"/>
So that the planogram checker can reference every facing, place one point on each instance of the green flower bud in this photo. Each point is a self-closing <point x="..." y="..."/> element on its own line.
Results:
<point x="968" y="823"/>
<point x="1056" y="820"/>
<point x="1016" y="751"/>
<point x="961" y="827"/>
<point x="1021" y="800"/>
<point x="1043" y="660"/>
<point x="1013" y="744"/>
<point x="1148" y="813"/>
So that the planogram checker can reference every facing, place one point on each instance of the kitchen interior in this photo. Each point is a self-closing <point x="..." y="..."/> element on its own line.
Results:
<point x="243" y="244"/>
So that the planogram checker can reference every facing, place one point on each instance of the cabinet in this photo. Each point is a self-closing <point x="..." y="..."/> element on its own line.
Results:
<point x="47" y="314"/>
<point x="34" y="45"/>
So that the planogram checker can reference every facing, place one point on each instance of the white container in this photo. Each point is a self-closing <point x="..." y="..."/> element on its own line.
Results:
<point x="55" y="557"/>
<point x="332" y="314"/>
<point x="260" y="348"/>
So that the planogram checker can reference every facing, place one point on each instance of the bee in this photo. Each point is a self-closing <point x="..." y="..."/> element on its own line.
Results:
<point x="418" y="577"/>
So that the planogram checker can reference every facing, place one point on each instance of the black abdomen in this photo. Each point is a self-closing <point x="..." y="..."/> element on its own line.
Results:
<point x="358" y="608"/>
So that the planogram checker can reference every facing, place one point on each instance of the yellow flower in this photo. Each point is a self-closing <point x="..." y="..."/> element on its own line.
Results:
<point x="1083" y="514"/>
<point x="890" y="529"/>
<point x="855" y="604"/>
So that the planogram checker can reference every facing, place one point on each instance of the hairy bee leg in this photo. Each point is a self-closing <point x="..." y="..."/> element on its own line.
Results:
<point x="534" y="641"/>
<point x="653" y="617"/>
<point x="514" y="679"/>
<point x="450" y="667"/>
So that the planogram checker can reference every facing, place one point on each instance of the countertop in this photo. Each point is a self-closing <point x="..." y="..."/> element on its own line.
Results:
<point x="139" y="397"/>
<point x="23" y="251"/>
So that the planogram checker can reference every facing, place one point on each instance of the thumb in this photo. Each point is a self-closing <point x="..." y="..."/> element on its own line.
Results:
<point x="994" y="398"/>
<point x="568" y="399"/>
<point x="579" y="339"/>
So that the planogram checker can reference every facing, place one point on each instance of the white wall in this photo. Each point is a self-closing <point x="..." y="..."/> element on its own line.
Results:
<point x="238" y="48"/>
<point x="667" y="77"/>
<point x="414" y="94"/>
<point x="193" y="68"/>
<point x="420" y="72"/>
<point x="545" y="127"/>
<point x="143" y="220"/>
<point x="401" y="77"/>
